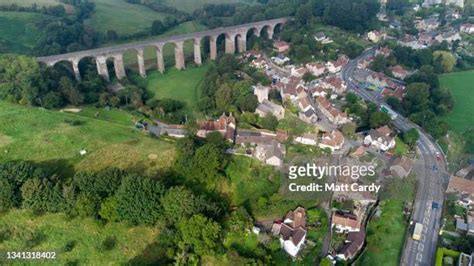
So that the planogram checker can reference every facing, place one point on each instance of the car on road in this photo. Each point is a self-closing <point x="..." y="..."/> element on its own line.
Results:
<point x="438" y="156"/>
<point x="417" y="231"/>
<point x="435" y="205"/>
<point x="435" y="168"/>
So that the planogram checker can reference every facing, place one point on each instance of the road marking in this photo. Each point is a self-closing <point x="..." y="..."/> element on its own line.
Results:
<point x="421" y="247"/>
<point x="419" y="257"/>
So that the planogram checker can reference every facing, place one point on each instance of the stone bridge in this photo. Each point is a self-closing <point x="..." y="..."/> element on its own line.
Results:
<point x="233" y="35"/>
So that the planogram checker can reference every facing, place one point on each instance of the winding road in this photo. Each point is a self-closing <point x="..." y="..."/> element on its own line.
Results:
<point x="431" y="173"/>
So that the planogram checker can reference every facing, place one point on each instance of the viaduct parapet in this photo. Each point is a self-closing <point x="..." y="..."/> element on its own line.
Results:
<point x="233" y="35"/>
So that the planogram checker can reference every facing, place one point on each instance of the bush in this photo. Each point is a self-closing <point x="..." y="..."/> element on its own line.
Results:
<point x="108" y="244"/>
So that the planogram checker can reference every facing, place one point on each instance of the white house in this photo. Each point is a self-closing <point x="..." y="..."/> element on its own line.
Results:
<point x="381" y="138"/>
<point x="261" y="92"/>
<point x="271" y="154"/>
<point x="317" y="69"/>
<point x="307" y="139"/>
<point x="333" y="140"/>
<point x="467" y="28"/>
<point x="292" y="231"/>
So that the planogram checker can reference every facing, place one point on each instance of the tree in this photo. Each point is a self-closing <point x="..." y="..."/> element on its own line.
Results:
<point x="416" y="98"/>
<point x="379" y="64"/>
<point x="307" y="77"/>
<point x="247" y="103"/>
<point x="349" y="129"/>
<point x="72" y="94"/>
<point x="378" y="119"/>
<point x="8" y="197"/>
<point x="445" y="60"/>
<point x="410" y="137"/>
<point x="108" y="210"/>
<point x="52" y="100"/>
<point x="179" y="204"/>
<point x="157" y="27"/>
<point x="207" y="163"/>
<point x="138" y="200"/>
<point x="199" y="234"/>
<point x="269" y="121"/>
<point x="87" y="205"/>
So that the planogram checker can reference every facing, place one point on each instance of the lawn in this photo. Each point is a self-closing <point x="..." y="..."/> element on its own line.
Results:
<point x="77" y="240"/>
<point x="400" y="147"/>
<point x="55" y="139"/>
<point x="175" y="84"/>
<point x="18" y="33"/>
<point x="460" y="85"/>
<point x="385" y="236"/>
<point x="122" y="17"/>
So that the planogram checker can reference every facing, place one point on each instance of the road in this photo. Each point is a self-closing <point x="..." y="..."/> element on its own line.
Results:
<point x="431" y="176"/>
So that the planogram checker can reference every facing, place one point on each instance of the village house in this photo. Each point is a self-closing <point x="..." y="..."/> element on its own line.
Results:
<point x="378" y="79"/>
<point x="322" y="38"/>
<point x="272" y="153"/>
<point x="365" y="63"/>
<point x="398" y="71"/>
<point x="449" y="36"/>
<point x="298" y="71"/>
<point x="261" y="92"/>
<point x="335" y="116"/>
<point x="336" y="66"/>
<point x="280" y="59"/>
<point x="467" y="28"/>
<point x="291" y="88"/>
<point x="269" y="107"/>
<point x="281" y="46"/>
<point x="316" y="90"/>
<point x="345" y="223"/>
<point x="309" y="116"/>
<point x="381" y="138"/>
<point x="253" y="137"/>
<point x="460" y="185"/>
<point x="226" y="125"/>
<point x="334" y="83"/>
<point x="317" y="69"/>
<point x="333" y="140"/>
<point x="259" y="63"/>
<point x="410" y="41"/>
<point x="353" y="244"/>
<point x="428" y="24"/>
<point x="292" y="231"/>
<point x="385" y="51"/>
<point x="307" y="139"/>
<point x="304" y="104"/>
<point x="401" y="166"/>
<point x="159" y="128"/>
<point x="394" y="91"/>
<point x="376" y="36"/>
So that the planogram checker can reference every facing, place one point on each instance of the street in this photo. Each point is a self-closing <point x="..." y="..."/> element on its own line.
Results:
<point x="430" y="182"/>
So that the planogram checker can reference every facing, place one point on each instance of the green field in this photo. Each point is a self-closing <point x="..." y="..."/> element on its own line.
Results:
<point x="461" y="86"/>
<point x="77" y="240"/>
<point x="122" y="17"/>
<point x="175" y="84"/>
<point x="51" y="137"/>
<point x="191" y="5"/>
<point x="18" y="33"/>
<point x="28" y="3"/>
<point x="385" y="236"/>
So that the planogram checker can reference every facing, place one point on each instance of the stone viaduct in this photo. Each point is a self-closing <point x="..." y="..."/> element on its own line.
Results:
<point x="233" y="35"/>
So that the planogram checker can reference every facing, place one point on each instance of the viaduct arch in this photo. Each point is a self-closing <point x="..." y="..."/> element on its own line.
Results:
<point x="232" y="35"/>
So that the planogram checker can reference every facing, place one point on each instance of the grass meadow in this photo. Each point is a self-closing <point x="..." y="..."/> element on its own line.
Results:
<point x="55" y="139"/>
<point x="83" y="241"/>
<point x="18" y="33"/>
<point x="122" y="17"/>
<point x="191" y="5"/>
<point x="460" y="85"/>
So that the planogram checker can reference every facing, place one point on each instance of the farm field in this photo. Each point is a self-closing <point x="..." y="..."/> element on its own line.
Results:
<point x="77" y="240"/>
<point x="18" y="33"/>
<point x="55" y="139"/>
<point x="460" y="85"/>
<point x="122" y="17"/>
